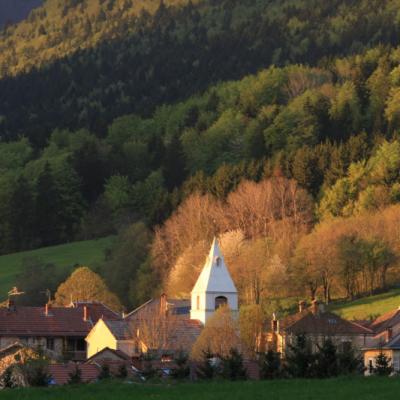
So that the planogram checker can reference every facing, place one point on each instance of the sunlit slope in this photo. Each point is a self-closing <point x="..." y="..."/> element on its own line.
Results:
<point x="90" y="252"/>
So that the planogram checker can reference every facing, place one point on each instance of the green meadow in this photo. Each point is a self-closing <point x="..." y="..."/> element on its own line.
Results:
<point x="368" y="307"/>
<point x="88" y="252"/>
<point x="333" y="389"/>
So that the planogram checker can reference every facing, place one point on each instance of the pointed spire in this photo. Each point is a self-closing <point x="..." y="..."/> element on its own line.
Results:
<point x="215" y="276"/>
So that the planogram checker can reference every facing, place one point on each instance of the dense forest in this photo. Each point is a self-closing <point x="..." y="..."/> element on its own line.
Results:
<point x="271" y="124"/>
<point x="109" y="58"/>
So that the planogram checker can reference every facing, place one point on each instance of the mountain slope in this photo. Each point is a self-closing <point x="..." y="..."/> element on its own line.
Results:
<point x="169" y="55"/>
<point x="12" y="11"/>
<point x="61" y="27"/>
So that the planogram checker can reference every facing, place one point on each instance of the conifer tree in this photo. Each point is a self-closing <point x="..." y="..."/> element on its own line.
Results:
<point x="207" y="369"/>
<point x="383" y="365"/>
<point x="233" y="367"/>
<point x="300" y="360"/>
<point x="271" y="365"/>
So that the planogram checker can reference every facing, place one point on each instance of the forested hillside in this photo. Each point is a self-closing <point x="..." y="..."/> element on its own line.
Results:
<point x="110" y="59"/>
<point x="271" y="124"/>
<point x="12" y="11"/>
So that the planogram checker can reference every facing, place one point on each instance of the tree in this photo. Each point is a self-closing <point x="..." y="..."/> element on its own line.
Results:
<point x="219" y="336"/>
<point x="174" y="163"/>
<point x="251" y="321"/>
<point x="271" y="365"/>
<point x="350" y="361"/>
<point x="85" y="285"/>
<point x="125" y="263"/>
<point x="182" y="369"/>
<point x="383" y="365"/>
<point x="38" y="281"/>
<point x="47" y="221"/>
<point x="326" y="361"/>
<point x="207" y="368"/>
<point x="299" y="359"/>
<point x="232" y="366"/>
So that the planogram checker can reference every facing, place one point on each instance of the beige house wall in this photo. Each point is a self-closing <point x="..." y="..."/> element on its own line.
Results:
<point x="370" y="357"/>
<point x="99" y="338"/>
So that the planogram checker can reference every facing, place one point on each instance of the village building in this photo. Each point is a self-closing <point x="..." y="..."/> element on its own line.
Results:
<point x="166" y="326"/>
<point x="317" y="325"/>
<point x="386" y="339"/>
<point x="60" y="331"/>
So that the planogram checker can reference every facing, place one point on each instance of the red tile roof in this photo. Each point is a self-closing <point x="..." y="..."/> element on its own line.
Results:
<point x="325" y="323"/>
<point x="386" y="321"/>
<point x="60" y="321"/>
<point x="61" y="372"/>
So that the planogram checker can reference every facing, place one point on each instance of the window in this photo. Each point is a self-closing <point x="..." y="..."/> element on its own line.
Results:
<point x="80" y="345"/>
<point x="50" y="343"/>
<point x="396" y="363"/>
<point x="198" y="302"/>
<point x="220" y="301"/>
<point x="218" y="261"/>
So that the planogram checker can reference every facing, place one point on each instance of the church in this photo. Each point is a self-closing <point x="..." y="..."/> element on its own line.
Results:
<point x="164" y="326"/>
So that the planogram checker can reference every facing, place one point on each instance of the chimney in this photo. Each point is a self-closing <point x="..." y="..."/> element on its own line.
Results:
<point x="389" y="334"/>
<point x="314" y="307"/>
<point x="85" y="313"/>
<point x="11" y="305"/>
<point x="163" y="304"/>
<point x="274" y="323"/>
<point x="302" y="305"/>
<point x="46" y="309"/>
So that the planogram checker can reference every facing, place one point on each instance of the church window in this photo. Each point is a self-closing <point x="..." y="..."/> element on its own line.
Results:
<point x="198" y="302"/>
<point x="220" y="301"/>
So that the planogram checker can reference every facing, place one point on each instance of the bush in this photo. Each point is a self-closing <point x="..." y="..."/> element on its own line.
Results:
<point x="75" y="377"/>
<point x="182" y="369"/>
<point x="270" y="364"/>
<point x="207" y="369"/>
<point x="105" y="372"/>
<point x="232" y="366"/>
<point x="300" y="360"/>
<point x="122" y="372"/>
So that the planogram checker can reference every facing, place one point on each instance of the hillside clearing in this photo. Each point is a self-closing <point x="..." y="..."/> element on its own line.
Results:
<point x="89" y="252"/>
<point x="368" y="307"/>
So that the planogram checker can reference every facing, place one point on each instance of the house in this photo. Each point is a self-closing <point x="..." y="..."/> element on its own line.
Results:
<point x="386" y="339"/>
<point x="165" y="326"/>
<point x="317" y="325"/>
<point x="59" y="330"/>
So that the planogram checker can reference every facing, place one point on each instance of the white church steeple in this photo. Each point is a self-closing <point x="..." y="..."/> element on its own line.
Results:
<point x="213" y="288"/>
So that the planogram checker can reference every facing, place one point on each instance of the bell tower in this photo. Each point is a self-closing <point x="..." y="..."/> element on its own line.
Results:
<point x="214" y="287"/>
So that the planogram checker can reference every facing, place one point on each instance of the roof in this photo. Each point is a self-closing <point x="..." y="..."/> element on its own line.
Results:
<point x="61" y="372"/>
<point x="386" y="321"/>
<point x="102" y="355"/>
<point x="121" y="330"/>
<point x="60" y="321"/>
<point x="181" y="332"/>
<point x="214" y="276"/>
<point x="324" y="323"/>
<point x="184" y="334"/>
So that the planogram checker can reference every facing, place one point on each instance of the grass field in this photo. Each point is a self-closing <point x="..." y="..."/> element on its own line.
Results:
<point x="369" y="306"/>
<point x="88" y="252"/>
<point x="334" y="389"/>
